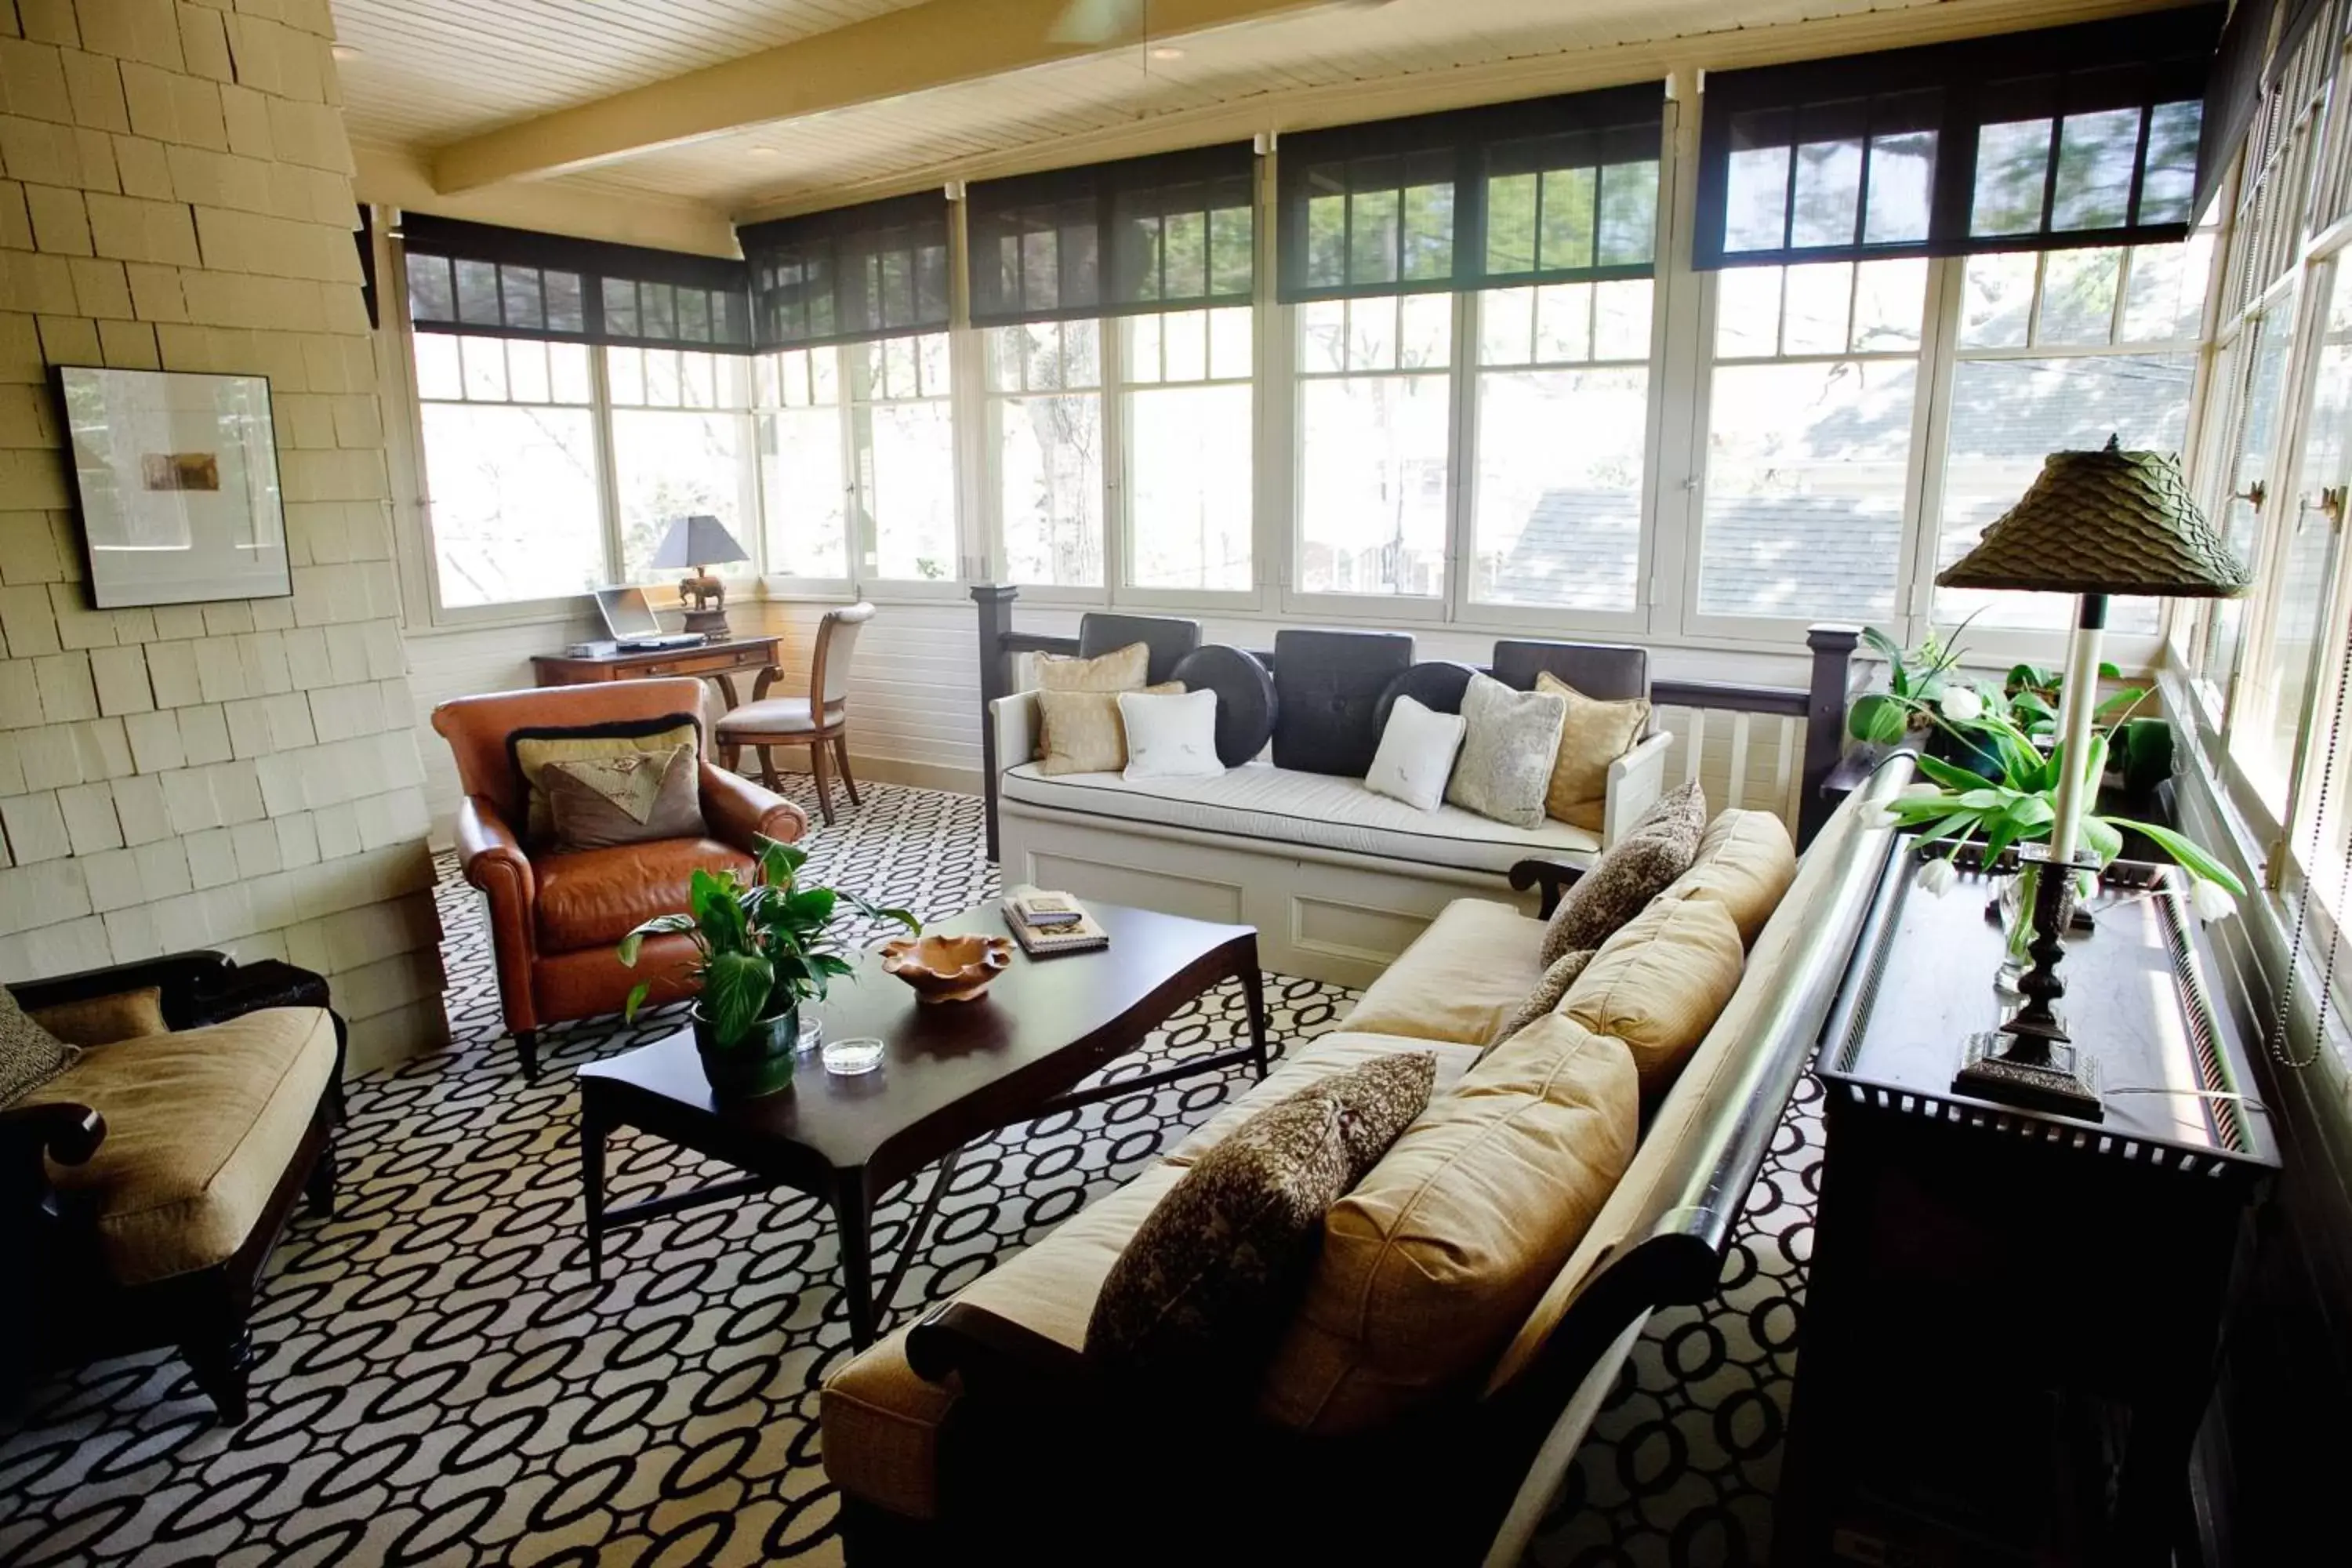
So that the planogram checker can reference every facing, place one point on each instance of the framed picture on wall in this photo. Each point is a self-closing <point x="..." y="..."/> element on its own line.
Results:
<point x="176" y="476"/>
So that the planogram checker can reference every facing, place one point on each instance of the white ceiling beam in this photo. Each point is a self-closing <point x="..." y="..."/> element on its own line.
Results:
<point x="935" y="44"/>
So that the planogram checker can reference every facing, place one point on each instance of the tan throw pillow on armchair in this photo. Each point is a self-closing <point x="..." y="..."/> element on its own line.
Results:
<point x="602" y="801"/>
<point x="1081" y="731"/>
<point x="1594" y="735"/>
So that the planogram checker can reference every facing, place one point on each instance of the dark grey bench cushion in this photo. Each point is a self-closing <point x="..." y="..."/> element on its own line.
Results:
<point x="1246" y="700"/>
<point x="1169" y="637"/>
<point x="1437" y="685"/>
<point x="1327" y="688"/>
<point x="1606" y="672"/>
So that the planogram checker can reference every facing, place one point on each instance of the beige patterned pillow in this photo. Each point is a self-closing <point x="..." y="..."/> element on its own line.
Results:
<point x="532" y="750"/>
<point x="1544" y="997"/>
<point x="1509" y="739"/>
<point x="1081" y="731"/>
<point x="1120" y="669"/>
<point x="1594" y="735"/>
<point x="1629" y="874"/>
<point x="1210" y="1276"/>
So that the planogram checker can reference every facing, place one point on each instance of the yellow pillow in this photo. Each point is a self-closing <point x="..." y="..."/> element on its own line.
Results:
<point x="1447" y="1244"/>
<point x="102" y="1020"/>
<point x="1594" y="735"/>
<point x="533" y="749"/>
<point x="1660" y="983"/>
<point x="1745" y="863"/>
<point x="1120" y="669"/>
<point x="1082" y="733"/>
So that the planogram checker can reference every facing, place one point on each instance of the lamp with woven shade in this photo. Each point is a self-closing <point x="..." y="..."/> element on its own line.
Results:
<point x="2094" y="524"/>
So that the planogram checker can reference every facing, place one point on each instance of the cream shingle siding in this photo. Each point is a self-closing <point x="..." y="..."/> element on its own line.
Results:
<point x="176" y="194"/>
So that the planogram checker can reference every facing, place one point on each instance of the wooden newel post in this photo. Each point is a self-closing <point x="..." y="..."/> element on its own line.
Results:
<point x="1826" y="705"/>
<point x="995" y="601"/>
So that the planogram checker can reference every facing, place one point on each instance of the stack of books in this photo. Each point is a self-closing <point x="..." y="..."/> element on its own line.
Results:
<point x="1046" y="923"/>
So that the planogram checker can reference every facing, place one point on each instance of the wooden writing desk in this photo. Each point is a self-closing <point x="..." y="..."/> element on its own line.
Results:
<point x="719" y="661"/>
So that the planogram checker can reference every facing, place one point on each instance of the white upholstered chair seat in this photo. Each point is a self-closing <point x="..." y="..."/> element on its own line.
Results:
<point x="775" y="716"/>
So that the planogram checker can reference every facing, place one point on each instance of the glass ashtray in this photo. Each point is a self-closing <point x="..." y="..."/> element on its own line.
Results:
<point x="812" y="1035"/>
<point x="850" y="1057"/>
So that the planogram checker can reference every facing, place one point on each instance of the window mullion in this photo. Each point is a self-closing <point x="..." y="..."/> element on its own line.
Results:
<point x="608" y="476"/>
<point x="1938" y="370"/>
<point x="1111" y="383"/>
<point x="1462" y="450"/>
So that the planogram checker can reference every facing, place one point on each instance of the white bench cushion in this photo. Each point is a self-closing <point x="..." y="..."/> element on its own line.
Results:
<point x="1258" y="799"/>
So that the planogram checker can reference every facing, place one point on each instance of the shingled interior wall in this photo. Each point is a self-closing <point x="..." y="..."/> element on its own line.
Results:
<point x="241" y="774"/>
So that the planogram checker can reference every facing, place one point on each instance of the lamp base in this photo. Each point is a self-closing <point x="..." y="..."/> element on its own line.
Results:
<point x="2067" y="1084"/>
<point x="711" y="624"/>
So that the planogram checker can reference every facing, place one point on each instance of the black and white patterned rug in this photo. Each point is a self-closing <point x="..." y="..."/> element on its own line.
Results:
<point x="440" y="1383"/>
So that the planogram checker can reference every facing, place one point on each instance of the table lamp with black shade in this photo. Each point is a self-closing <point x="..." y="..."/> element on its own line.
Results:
<point x="2094" y="524"/>
<point x="696" y="544"/>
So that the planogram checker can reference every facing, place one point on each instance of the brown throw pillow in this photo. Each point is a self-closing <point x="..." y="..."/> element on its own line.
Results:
<point x="1210" y="1277"/>
<point x="30" y="1056"/>
<point x="102" y="1020"/>
<point x="1557" y="978"/>
<point x="598" y="803"/>
<point x="1081" y="731"/>
<point x="533" y="749"/>
<point x="1594" y="735"/>
<point x="1629" y="874"/>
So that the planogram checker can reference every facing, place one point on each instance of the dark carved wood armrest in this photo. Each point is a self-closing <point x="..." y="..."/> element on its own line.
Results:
<point x="180" y="976"/>
<point x="995" y="1356"/>
<point x="30" y="1135"/>
<point x="1552" y="875"/>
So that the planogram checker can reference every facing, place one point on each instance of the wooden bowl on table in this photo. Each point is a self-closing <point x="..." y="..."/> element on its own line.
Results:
<point x="947" y="968"/>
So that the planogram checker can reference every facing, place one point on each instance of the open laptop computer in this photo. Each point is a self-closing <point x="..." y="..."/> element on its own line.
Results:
<point x="634" y="627"/>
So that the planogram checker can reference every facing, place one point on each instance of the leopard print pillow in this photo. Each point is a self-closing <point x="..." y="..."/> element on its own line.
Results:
<point x="1557" y="978"/>
<point x="1629" y="874"/>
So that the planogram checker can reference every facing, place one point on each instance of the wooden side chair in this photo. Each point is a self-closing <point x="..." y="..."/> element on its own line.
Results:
<point x="819" y="721"/>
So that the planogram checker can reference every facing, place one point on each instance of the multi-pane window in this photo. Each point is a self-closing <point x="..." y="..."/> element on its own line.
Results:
<point x="805" y="488"/>
<point x="1374" y="453"/>
<point x="903" y="421"/>
<point x="1809" y="415"/>
<point x="508" y="433"/>
<point x="681" y="446"/>
<point x="1563" y="405"/>
<point x="1187" y="410"/>
<point x="1046" y="432"/>
<point x="2060" y="350"/>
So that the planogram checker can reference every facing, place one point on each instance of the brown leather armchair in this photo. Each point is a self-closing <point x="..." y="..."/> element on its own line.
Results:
<point x="556" y="919"/>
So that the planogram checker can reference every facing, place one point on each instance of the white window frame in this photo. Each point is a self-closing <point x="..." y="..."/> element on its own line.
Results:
<point x="1118" y="516"/>
<point x="788" y="585"/>
<point x="749" y="500"/>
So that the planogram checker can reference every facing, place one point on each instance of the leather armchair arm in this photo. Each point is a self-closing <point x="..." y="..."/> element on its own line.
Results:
<point x="741" y="813"/>
<point x="1552" y="875"/>
<point x="996" y="1357"/>
<point x="494" y="861"/>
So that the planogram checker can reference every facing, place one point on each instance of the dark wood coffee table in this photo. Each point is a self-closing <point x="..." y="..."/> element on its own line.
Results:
<point x="951" y="1073"/>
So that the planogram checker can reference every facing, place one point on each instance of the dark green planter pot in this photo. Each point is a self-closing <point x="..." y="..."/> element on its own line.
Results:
<point x="760" y="1063"/>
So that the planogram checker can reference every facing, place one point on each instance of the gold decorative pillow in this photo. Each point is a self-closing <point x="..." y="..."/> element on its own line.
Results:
<point x="598" y="803"/>
<point x="533" y="749"/>
<point x="1120" y="669"/>
<point x="102" y="1020"/>
<point x="1440" y="1252"/>
<point x="1594" y="735"/>
<point x="1081" y="731"/>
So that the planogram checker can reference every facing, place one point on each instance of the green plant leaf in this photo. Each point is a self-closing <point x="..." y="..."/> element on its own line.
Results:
<point x="2122" y="702"/>
<point x="637" y="994"/>
<point x="780" y="862"/>
<point x="2109" y="671"/>
<point x="1878" y="719"/>
<point x="735" y="987"/>
<point x="660" y="925"/>
<point x="2105" y="839"/>
<point x="1945" y="774"/>
<point x="2191" y="855"/>
<point x="809" y="909"/>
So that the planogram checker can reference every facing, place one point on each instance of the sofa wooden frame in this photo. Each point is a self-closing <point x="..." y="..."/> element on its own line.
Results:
<point x="1041" y="1456"/>
<point x="72" y="1310"/>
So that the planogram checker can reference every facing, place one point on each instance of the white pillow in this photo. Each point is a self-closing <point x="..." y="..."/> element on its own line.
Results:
<point x="1416" y="755"/>
<point x="1171" y="737"/>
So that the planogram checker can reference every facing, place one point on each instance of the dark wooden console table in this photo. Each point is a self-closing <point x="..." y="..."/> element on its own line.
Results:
<point x="719" y="661"/>
<point x="2013" y="1319"/>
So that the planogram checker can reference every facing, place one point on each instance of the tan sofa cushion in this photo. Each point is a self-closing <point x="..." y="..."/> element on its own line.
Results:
<point x="880" y="1423"/>
<point x="1320" y="1058"/>
<point x="1659" y="983"/>
<point x="102" y="1020"/>
<point x="1745" y="863"/>
<point x="1440" y="1252"/>
<point x="1459" y="980"/>
<point x="201" y="1126"/>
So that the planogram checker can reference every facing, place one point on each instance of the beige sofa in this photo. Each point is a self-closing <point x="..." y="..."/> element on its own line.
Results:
<point x="981" y="1425"/>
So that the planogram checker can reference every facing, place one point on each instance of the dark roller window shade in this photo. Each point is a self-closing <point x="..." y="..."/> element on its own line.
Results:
<point x="852" y="274"/>
<point x="510" y="282"/>
<point x="1172" y="232"/>
<point x="2257" y="43"/>
<point x="2059" y="138"/>
<point x="1544" y="191"/>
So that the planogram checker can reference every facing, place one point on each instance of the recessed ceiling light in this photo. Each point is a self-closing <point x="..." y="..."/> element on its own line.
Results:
<point x="1167" y="52"/>
<point x="348" y="51"/>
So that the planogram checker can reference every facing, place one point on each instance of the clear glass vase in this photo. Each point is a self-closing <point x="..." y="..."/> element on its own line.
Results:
<point x="2018" y="897"/>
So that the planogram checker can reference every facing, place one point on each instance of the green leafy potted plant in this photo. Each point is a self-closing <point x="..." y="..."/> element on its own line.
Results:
<point x="1958" y="807"/>
<point x="1924" y="697"/>
<point x="762" y="948"/>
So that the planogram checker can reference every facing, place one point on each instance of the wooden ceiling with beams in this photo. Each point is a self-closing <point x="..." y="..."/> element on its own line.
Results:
<point x="750" y="108"/>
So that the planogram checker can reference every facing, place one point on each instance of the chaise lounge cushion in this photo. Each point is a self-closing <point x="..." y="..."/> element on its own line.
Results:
<point x="201" y="1127"/>
<point x="1319" y="811"/>
<point x="1445" y="1246"/>
<point x="1659" y="983"/>
<point x="1745" y="864"/>
<point x="1461" y="979"/>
